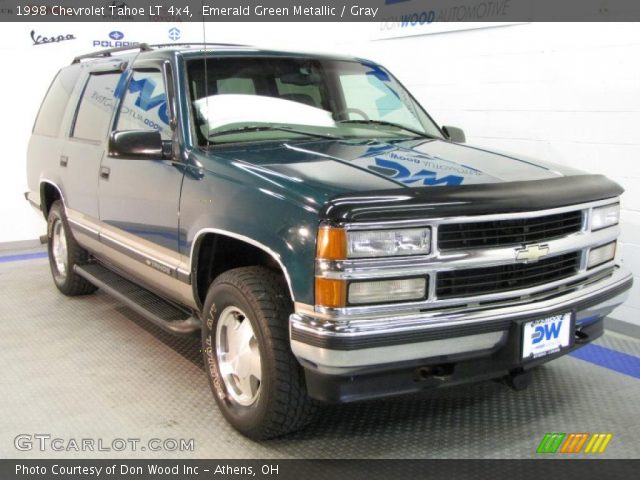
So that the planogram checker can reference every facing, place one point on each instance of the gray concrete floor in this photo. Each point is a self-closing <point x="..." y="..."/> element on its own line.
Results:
<point x="89" y="367"/>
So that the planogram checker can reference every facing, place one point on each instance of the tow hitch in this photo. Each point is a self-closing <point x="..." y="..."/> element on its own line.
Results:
<point x="518" y="379"/>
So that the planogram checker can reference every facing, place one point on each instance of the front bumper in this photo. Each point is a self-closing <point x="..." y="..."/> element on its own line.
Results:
<point x="337" y="356"/>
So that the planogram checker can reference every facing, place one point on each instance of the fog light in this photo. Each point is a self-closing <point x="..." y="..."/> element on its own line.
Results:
<point x="387" y="291"/>
<point x="607" y="216"/>
<point x="600" y="255"/>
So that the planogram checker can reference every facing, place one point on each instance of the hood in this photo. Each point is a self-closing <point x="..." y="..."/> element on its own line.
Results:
<point x="370" y="180"/>
<point x="351" y="166"/>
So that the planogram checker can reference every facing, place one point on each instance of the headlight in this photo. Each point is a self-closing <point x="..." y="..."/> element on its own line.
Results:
<point x="388" y="243"/>
<point x="600" y="255"/>
<point x="606" y="216"/>
<point x="388" y="291"/>
<point x="340" y="244"/>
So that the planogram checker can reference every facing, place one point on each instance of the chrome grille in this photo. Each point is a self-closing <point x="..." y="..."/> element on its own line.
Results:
<point x="482" y="281"/>
<point x="500" y="233"/>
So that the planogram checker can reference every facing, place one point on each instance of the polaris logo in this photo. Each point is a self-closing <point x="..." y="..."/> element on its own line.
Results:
<point x="115" y="41"/>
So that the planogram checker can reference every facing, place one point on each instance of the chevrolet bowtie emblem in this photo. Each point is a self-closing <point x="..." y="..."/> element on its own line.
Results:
<point x="532" y="253"/>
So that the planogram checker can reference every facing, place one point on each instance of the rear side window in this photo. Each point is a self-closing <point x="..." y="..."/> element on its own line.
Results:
<point x="96" y="106"/>
<point x="55" y="102"/>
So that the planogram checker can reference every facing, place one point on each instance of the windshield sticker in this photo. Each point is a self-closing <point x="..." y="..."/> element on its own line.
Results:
<point x="389" y="101"/>
<point x="145" y="103"/>
<point x="377" y="71"/>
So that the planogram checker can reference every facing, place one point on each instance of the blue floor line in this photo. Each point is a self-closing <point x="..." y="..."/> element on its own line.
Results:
<point x="608" y="358"/>
<point x="22" y="257"/>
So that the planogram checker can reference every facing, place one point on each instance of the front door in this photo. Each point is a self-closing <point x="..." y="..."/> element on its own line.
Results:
<point x="139" y="199"/>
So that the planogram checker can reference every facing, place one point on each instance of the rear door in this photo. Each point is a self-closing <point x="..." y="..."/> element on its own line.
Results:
<point x="82" y="153"/>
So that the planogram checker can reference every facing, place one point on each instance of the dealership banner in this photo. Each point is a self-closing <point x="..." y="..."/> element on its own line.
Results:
<point x="410" y="14"/>
<point x="316" y="469"/>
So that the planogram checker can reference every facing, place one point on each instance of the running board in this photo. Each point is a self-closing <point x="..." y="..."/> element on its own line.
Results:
<point x="165" y="315"/>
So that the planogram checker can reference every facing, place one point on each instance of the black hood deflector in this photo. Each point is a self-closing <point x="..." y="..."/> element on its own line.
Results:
<point x="477" y="199"/>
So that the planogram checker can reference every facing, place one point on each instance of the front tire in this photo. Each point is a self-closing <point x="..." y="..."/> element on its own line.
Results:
<point x="65" y="253"/>
<point x="256" y="381"/>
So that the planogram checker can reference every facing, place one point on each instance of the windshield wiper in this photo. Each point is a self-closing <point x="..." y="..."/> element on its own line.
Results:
<point x="389" y="124"/>
<point x="266" y="128"/>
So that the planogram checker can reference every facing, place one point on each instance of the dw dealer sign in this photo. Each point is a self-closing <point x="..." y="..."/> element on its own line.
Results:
<point x="413" y="17"/>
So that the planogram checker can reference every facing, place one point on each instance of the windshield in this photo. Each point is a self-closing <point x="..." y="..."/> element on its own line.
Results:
<point x="241" y="99"/>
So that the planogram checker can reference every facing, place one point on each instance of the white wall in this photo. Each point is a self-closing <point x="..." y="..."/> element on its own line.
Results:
<point x="23" y="86"/>
<point x="568" y="93"/>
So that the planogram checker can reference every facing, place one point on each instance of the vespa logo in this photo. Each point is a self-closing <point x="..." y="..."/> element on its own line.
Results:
<point x="43" y="40"/>
<point x="532" y="253"/>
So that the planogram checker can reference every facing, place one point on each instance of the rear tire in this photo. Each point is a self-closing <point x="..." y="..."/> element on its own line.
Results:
<point x="256" y="381"/>
<point x="65" y="253"/>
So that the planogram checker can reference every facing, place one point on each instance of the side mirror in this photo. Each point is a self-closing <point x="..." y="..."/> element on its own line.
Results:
<point x="136" y="145"/>
<point x="454" y="134"/>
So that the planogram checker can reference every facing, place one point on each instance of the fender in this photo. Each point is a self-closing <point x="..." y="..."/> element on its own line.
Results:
<point x="248" y="206"/>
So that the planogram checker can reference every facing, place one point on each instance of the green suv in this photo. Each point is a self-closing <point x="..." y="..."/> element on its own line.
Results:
<point x="307" y="217"/>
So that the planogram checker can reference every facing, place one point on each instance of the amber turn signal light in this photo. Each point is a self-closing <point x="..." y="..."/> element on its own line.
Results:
<point x="331" y="293"/>
<point x="332" y="243"/>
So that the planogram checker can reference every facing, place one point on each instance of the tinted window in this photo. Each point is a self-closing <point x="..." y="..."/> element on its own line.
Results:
<point x="309" y="94"/>
<point x="96" y="107"/>
<point x="54" y="104"/>
<point x="144" y="105"/>
<point x="317" y="97"/>
<point x="386" y="103"/>
<point x="289" y="79"/>
<point x="236" y="85"/>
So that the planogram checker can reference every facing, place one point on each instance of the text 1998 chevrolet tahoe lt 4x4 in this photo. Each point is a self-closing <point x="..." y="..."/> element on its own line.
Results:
<point x="305" y="213"/>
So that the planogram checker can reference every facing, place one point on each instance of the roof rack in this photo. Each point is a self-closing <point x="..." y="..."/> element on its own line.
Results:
<point x="188" y="44"/>
<point x="143" y="47"/>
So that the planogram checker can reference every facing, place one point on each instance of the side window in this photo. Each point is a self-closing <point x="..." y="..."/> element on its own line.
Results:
<point x="144" y="105"/>
<point x="96" y="107"/>
<point x="55" y="102"/>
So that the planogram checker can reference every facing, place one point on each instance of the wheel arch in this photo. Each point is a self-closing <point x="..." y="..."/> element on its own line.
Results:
<point x="210" y="237"/>
<point x="49" y="193"/>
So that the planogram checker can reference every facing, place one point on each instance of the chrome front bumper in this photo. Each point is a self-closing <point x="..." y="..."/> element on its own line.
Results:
<point x="347" y="346"/>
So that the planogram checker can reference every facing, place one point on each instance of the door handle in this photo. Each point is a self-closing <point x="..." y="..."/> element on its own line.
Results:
<point x="64" y="160"/>
<point x="105" y="172"/>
